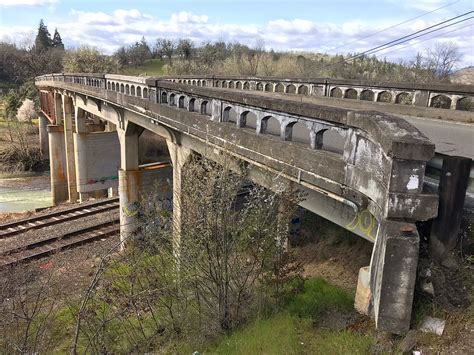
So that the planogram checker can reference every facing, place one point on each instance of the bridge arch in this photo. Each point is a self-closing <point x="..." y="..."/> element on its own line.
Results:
<point x="172" y="99"/>
<point x="465" y="104"/>
<point x="224" y="84"/>
<point x="246" y="85"/>
<point x="182" y="101"/>
<point x="367" y="95"/>
<point x="291" y="89"/>
<point x="113" y="86"/>
<point x="194" y="82"/>
<point x="351" y="94"/>
<point x="145" y="93"/>
<point x="336" y="92"/>
<point x="248" y="119"/>
<point x="239" y="85"/>
<point x="303" y="90"/>
<point x="330" y="140"/>
<point x="440" y="101"/>
<point x="231" y="84"/>
<point x="132" y="90"/>
<point x="203" y="83"/>
<point x="218" y="84"/>
<point x="259" y="86"/>
<point x="139" y="91"/>
<point x="404" y="98"/>
<point x="127" y="89"/>
<point x="191" y="103"/>
<point x="384" y="96"/>
<point x="164" y="97"/>
<point x="205" y="108"/>
<point x="122" y="88"/>
<point x="271" y="126"/>
<point x="268" y="87"/>
<point x="109" y="86"/>
<point x="229" y="114"/>
<point x="279" y="87"/>
<point x="300" y="132"/>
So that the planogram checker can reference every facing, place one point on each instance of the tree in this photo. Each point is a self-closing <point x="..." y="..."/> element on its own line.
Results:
<point x="184" y="48"/>
<point x="87" y="59"/>
<point x="43" y="40"/>
<point x="57" y="41"/>
<point x="442" y="59"/>
<point x="27" y="111"/>
<point x="168" y="48"/>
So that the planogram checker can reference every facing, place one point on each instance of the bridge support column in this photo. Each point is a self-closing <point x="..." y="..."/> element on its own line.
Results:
<point x="179" y="156"/>
<point x="452" y="193"/>
<point x="57" y="164"/>
<point x="43" y="134"/>
<point x="393" y="275"/>
<point x="68" y="111"/>
<point x="129" y="181"/>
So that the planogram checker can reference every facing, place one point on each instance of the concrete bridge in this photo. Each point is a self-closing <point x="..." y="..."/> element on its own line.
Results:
<point x="363" y="170"/>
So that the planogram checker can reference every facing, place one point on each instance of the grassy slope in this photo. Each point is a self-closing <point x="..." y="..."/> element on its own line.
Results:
<point x="150" y="68"/>
<point x="293" y="330"/>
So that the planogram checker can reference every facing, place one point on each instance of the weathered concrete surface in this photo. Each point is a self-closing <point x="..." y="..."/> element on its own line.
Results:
<point x="57" y="164"/>
<point x="97" y="157"/>
<point x="393" y="275"/>
<point x="68" y="111"/>
<point x="43" y="134"/>
<point x="363" y="297"/>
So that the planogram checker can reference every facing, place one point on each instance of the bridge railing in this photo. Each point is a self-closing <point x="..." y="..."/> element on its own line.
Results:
<point x="449" y="96"/>
<point x="379" y="163"/>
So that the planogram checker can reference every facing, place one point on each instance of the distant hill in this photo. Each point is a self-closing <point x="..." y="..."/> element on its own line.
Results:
<point x="463" y="76"/>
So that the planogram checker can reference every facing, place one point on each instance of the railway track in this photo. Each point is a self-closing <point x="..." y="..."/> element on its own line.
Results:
<point x="50" y="245"/>
<point x="22" y="225"/>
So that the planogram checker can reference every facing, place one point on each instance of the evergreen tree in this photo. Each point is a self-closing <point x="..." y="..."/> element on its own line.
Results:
<point x="57" y="41"/>
<point x="43" y="39"/>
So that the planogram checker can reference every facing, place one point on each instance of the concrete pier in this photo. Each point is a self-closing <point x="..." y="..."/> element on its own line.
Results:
<point x="57" y="161"/>
<point x="43" y="134"/>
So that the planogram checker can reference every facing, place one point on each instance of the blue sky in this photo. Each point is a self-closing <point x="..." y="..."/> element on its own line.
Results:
<point x="297" y="25"/>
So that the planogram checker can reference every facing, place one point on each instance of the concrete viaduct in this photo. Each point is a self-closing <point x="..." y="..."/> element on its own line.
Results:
<point x="363" y="170"/>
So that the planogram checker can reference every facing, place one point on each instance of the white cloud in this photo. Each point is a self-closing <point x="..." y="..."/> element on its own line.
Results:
<point x="109" y="31"/>
<point x="27" y="2"/>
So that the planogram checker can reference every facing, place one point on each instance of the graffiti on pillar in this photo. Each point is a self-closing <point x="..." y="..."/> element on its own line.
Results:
<point x="364" y="222"/>
<point x="101" y="180"/>
<point x="131" y="210"/>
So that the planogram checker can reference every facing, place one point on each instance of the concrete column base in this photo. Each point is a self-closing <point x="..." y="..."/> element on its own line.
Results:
<point x="112" y="192"/>
<point x="362" y="302"/>
<point x="393" y="275"/>
<point x="129" y="182"/>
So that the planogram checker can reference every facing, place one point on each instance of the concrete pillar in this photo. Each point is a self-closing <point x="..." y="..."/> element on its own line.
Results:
<point x="58" y="108"/>
<point x="69" y="148"/>
<point x="43" y="134"/>
<point x="179" y="156"/>
<point x="393" y="275"/>
<point x="452" y="192"/>
<point x="129" y="181"/>
<point x="454" y="101"/>
<point x="57" y="164"/>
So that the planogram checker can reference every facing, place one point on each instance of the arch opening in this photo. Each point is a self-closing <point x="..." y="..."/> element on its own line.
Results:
<point x="268" y="87"/>
<point x="181" y="102"/>
<point x="303" y="90"/>
<point x="300" y="133"/>
<point x="291" y="89"/>
<point x="279" y="88"/>
<point x="441" y="101"/>
<point x="351" y="94"/>
<point x="465" y="104"/>
<point x="337" y="93"/>
<point x="367" y="95"/>
<point x="271" y="126"/>
<point x="404" y="98"/>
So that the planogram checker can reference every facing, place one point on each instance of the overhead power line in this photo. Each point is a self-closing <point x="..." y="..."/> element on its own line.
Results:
<point x="427" y="39"/>
<point x="413" y="35"/>
<point x="394" y="26"/>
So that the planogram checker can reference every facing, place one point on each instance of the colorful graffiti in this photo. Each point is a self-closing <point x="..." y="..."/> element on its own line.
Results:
<point x="365" y="223"/>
